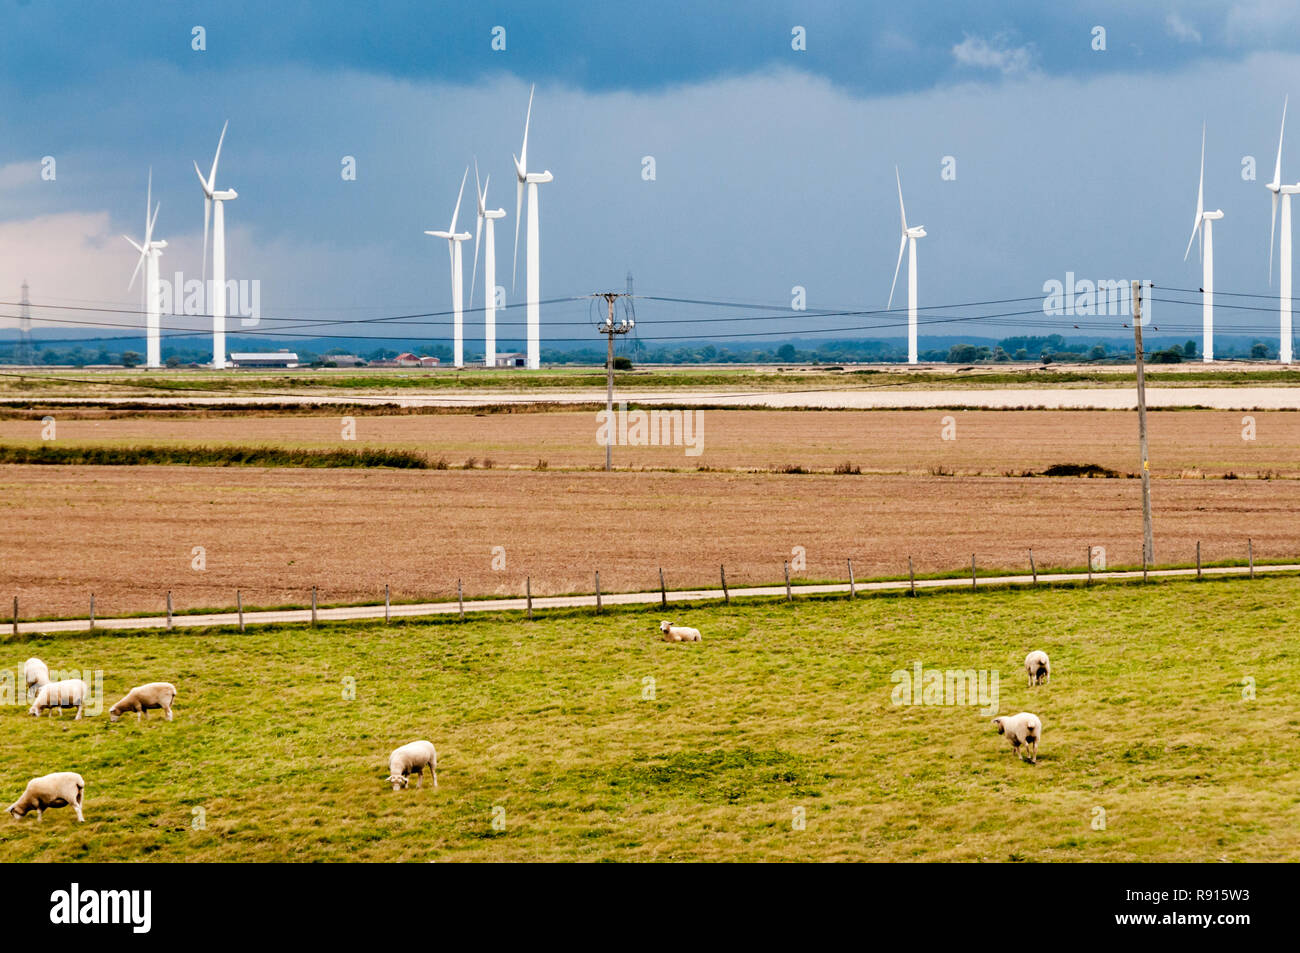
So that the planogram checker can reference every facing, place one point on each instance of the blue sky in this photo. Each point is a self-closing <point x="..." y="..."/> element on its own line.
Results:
<point x="774" y="167"/>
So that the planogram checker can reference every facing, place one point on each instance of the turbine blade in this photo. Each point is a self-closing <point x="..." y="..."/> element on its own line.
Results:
<point x="1272" y="229"/>
<point x="148" y="204"/>
<point x="478" y="230"/>
<point x="1196" y="230"/>
<point x="478" y="189"/>
<point x="523" y="151"/>
<point x="138" y="264"/>
<point x="901" y="245"/>
<point x="212" y="179"/>
<point x="459" y="195"/>
<point x="148" y="235"/>
<point x="207" y="214"/>
<point x="202" y="181"/>
<point x="1200" y="187"/>
<point x="902" y="211"/>
<point x="519" y="205"/>
<point x="1277" y="169"/>
<point x="133" y="243"/>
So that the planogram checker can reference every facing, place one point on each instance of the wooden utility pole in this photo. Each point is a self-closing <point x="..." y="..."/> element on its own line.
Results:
<point x="609" y="328"/>
<point x="1148" y="546"/>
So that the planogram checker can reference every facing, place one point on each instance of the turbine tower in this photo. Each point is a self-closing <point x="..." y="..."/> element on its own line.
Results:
<point x="910" y="235"/>
<point x="150" y="252"/>
<point x="490" y="216"/>
<point x="532" y="180"/>
<point x="214" y="210"/>
<point x="1204" y="226"/>
<point x="454" y="238"/>
<point x="24" y="354"/>
<point x="1284" y="280"/>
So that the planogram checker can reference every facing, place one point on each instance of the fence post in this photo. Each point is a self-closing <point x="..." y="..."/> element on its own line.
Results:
<point x="239" y="607"/>
<point x="169" y="608"/>
<point x="313" y="606"/>
<point x="92" y="612"/>
<point x="1033" y="568"/>
<point x="1198" y="559"/>
<point x="598" y="605"/>
<point x="726" y="596"/>
<point x="460" y="598"/>
<point x="972" y="570"/>
<point x="387" y="604"/>
<point x="852" y="586"/>
<point x="528" y="589"/>
<point x="663" y="592"/>
<point x="788" y="597"/>
<point x="911" y="574"/>
<point x="15" y="615"/>
<point x="1089" y="564"/>
<point x="1250" y="555"/>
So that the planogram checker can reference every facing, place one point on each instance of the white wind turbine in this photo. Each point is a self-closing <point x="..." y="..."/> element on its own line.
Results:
<point x="454" y="238"/>
<point x="910" y="235"/>
<point x="1204" y="226"/>
<point x="490" y="216"/>
<point x="532" y="180"/>
<point x="150" y="251"/>
<point x="214" y="209"/>
<point x="1284" y="280"/>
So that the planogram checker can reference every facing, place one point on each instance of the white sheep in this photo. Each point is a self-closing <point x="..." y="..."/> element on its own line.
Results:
<point x="413" y="757"/>
<point x="37" y="674"/>
<point x="69" y="693"/>
<point x="1038" y="667"/>
<point x="143" y="697"/>
<point x="1022" y="729"/>
<point x="679" y="633"/>
<point x="53" y="790"/>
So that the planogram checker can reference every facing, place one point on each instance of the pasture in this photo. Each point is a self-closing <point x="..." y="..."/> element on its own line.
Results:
<point x="586" y="738"/>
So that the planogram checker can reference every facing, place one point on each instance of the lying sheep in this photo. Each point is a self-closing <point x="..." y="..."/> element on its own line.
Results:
<point x="69" y="693"/>
<point x="679" y="633"/>
<point x="1022" y="729"/>
<point x="53" y="790"/>
<point x="143" y="697"/>
<point x="413" y="757"/>
<point x="37" y="674"/>
<point x="1038" y="667"/>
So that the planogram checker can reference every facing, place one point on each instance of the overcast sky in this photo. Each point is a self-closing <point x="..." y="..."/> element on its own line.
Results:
<point x="774" y="167"/>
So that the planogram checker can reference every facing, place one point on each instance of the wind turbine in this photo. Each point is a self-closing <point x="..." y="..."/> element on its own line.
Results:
<point x="532" y="180"/>
<point x="1284" y="281"/>
<point x="150" y="251"/>
<point x="1204" y="226"/>
<point x="214" y="209"/>
<point x="454" y="238"/>
<point x="490" y="216"/>
<point x="910" y="235"/>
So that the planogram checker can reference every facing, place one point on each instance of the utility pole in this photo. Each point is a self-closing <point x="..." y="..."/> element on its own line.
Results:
<point x="24" y="355"/>
<point x="1148" y="546"/>
<point x="610" y="328"/>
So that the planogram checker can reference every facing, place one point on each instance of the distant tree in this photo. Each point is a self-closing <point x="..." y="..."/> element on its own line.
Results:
<point x="999" y="355"/>
<point x="786" y="352"/>
<point x="1021" y="354"/>
<point x="1189" y="349"/>
<point x="1259" y="351"/>
<point x="1098" y="353"/>
<point x="173" y="361"/>
<point x="622" y="363"/>
<point x="130" y="358"/>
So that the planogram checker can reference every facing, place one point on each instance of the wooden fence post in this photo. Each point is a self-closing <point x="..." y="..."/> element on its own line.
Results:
<point x="239" y="607"/>
<point x="852" y="585"/>
<point x="788" y="597"/>
<point x="1033" y="568"/>
<point x="726" y="596"/>
<point x="460" y="598"/>
<point x="169" y="608"/>
<point x="387" y="604"/>
<point x="15" y="615"/>
<point x="1250" y="556"/>
<point x="663" y="591"/>
<point x="528" y="589"/>
<point x="313" y="606"/>
<point x="598" y="605"/>
<point x="911" y="574"/>
<point x="972" y="570"/>
<point x="1198" y="559"/>
<point x="1089" y="564"/>
<point x="92" y="612"/>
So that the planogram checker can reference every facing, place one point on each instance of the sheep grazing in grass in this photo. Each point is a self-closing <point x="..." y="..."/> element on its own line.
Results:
<point x="37" y="674"/>
<point x="53" y="790"/>
<point x="1022" y="729"/>
<point x="412" y="758"/>
<point x="69" y="693"/>
<point x="143" y="697"/>
<point x="1038" y="667"/>
<point x="679" y="633"/>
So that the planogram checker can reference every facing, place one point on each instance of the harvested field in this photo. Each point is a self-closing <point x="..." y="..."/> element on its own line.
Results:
<point x="128" y="533"/>
<point x="1183" y="443"/>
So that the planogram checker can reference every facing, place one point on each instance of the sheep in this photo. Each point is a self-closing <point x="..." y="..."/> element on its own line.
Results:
<point x="679" y="633"/>
<point x="69" y="693"/>
<point x="412" y="757"/>
<point x="37" y="674"/>
<point x="143" y="697"/>
<point x="53" y="790"/>
<point x="1038" y="667"/>
<point x="1024" y="728"/>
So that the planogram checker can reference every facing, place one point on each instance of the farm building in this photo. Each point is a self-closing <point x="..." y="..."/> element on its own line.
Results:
<point x="514" y="359"/>
<point x="281" y="358"/>
<point x="343" y="360"/>
<point x="429" y="362"/>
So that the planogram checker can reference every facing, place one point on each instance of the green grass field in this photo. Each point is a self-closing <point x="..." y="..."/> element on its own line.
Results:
<point x="552" y="727"/>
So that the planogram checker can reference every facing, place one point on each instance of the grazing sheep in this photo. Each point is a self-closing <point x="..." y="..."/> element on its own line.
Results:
<point x="1038" y="667"/>
<point x="1022" y="729"/>
<point x="53" y="790"/>
<point x="69" y="693"/>
<point x="37" y="674"/>
<point x="679" y="633"/>
<point x="143" y="697"/>
<point x="413" y="757"/>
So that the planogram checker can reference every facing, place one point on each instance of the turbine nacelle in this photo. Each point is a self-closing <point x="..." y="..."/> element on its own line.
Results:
<point x="916" y="231"/>
<point x="451" y="236"/>
<point x="539" y="178"/>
